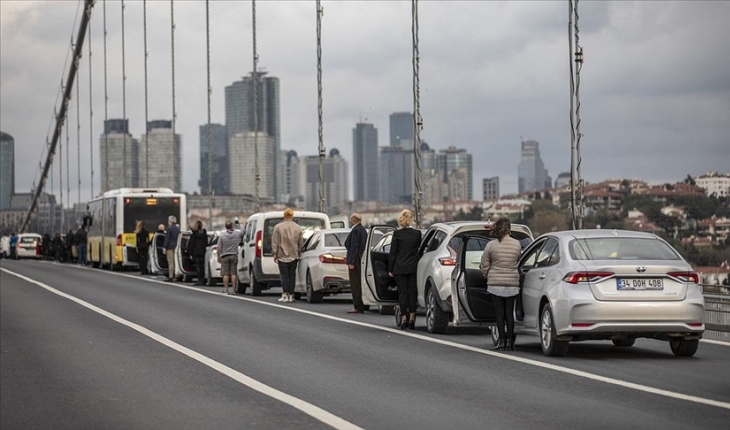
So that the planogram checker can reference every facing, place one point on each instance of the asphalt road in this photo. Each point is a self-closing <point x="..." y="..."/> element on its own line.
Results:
<point x="83" y="348"/>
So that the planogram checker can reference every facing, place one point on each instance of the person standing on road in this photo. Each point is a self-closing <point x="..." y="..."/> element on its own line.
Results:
<point x="286" y="242"/>
<point x="197" y="245"/>
<point x="355" y="245"/>
<point x="81" y="238"/>
<point x="171" y="235"/>
<point x="57" y="245"/>
<point x="228" y="255"/>
<point x="13" y="246"/>
<point x="402" y="266"/>
<point x="499" y="267"/>
<point x="143" y="246"/>
<point x="5" y="246"/>
<point x="69" y="254"/>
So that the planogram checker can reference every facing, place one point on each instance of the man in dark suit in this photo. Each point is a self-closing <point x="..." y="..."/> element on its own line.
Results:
<point x="355" y="244"/>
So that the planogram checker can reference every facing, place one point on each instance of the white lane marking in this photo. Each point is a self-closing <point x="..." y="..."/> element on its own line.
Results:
<point x="716" y="342"/>
<point x="308" y="408"/>
<point x="536" y="363"/>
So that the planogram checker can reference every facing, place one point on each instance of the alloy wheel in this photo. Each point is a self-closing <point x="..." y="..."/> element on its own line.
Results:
<point x="430" y="309"/>
<point x="546" y="328"/>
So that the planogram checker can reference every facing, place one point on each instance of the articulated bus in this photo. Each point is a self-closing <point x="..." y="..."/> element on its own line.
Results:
<point x="113" y="217"/>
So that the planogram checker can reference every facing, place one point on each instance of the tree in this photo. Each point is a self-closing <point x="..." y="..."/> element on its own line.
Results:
<point x="689" y="180"/>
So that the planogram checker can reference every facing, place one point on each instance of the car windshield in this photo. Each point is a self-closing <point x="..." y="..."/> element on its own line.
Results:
<point x="621" y="248"/>
<point x="335" y="239"/>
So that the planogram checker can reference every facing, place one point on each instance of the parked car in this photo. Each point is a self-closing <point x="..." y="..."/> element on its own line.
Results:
<point x="437" y="259"/>
<point x="157" y="259"/>
<point x="184" y="265"/>
<point x="212" y="266"/>
<point x="598" y="285"/>
<point x="256" y="265"/>
<point x="29" y="245"/>
<point x="322" y="269"/>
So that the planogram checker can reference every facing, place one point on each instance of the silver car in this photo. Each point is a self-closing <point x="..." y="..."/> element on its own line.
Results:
<point x="322" y="270"/>
<point x="212" y="266"/>
<point x="595" y="285"/>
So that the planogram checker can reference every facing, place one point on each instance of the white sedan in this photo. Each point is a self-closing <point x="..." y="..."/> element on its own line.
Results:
<point x="322" y="270"/>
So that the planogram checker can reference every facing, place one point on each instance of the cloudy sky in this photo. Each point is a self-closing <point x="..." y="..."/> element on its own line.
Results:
<point x="655" y="87"/>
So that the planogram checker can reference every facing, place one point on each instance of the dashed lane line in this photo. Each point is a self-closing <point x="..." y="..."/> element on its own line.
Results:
<point x="308" y="408"/>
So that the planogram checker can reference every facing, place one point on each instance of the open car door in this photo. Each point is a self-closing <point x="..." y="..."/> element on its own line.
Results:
<point x="377" y="287"/>
<point x="158" y="259"/>
<point x="468" y="286"/>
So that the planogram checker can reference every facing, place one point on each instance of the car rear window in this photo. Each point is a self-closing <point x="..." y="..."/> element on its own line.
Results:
<point x="621" y="248"/>
<point x="28" y="239"/>
<point x="335" y="239"/>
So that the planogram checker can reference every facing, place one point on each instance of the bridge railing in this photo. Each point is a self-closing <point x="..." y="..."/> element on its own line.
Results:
<point x="717" y="311"/>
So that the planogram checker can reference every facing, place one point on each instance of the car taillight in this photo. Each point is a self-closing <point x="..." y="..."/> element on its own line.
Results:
<point x="215" y="249"/>
<point x="259" y="235"/>
<point x="447" y="261"/>
<point x="119" y="240"/>
<point x="331" y="259"/>
<point x="38" y="250"/>
<point x="578" y="277"/>
<point x="685" y="276"/>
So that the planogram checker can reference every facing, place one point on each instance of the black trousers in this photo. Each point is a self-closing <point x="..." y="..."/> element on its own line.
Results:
<point x="288" y="274"/>
<point x="356" y="288"/>
<point x="200" y="267"/>
<point x="503" y="310"/>
<point x="407" y="293"/>
<point x="143" y="256"/>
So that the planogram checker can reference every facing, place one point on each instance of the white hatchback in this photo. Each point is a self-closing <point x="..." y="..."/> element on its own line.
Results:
<point x="29" y="245"/>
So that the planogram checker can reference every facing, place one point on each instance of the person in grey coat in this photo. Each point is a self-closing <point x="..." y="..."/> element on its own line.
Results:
<point x="499" y="267"/>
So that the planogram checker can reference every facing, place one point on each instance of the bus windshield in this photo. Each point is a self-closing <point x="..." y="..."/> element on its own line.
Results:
<point x="150" y="210"/>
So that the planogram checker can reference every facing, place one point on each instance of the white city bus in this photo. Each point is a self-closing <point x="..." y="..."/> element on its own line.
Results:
<point x="112" y="219"/>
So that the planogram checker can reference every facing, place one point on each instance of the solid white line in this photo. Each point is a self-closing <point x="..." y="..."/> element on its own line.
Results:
<point x="716" y="342"/>
<point x="308" y="408"/>
<point x="536" y="363"/>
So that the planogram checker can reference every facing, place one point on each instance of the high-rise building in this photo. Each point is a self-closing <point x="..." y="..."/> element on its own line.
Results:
<point x="365" y="161"/>
<point x="294" y="177"/>
<point x="164" y="155"/>
<point x="218" y="161"/>
<point x="396" y="181"/>
<point x="531" y="172"/>
<point x="240" y="116"/>
<point x="563" y="180"/>
<point x="335" y="181"/>
<point x="490" y="188"/>
<point x="242" y="164"/>
<point x="119" y="156"/>
<point x="453" y="159"/>
<point x="7" y="170"/>
<point x="401" y="129"/>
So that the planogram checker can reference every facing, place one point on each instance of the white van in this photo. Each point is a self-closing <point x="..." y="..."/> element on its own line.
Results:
<point x="256" y="265"/>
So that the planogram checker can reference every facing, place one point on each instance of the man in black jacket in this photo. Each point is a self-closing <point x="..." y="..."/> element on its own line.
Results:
<point x="197" y="245"/>
<point x="355" y="244"/>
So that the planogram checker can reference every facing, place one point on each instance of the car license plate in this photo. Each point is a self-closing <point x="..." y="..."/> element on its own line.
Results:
<point x="639" y="284"/>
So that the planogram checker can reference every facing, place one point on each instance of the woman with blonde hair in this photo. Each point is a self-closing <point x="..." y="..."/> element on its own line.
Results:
<point x="499" y="267"/>
<point x="402" y="266"/>
<point x="143" y="246"/>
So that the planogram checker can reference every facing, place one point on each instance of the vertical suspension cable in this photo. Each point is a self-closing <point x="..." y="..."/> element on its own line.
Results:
<point x="78" y="142"/>
<point x="320" y="13"/>
<point x="176" y="176"/>
<point x="417" y="119"/>
<point x="91" y="118"/>
<point x="207" y="134"/>
<point x="60" y="170"/>
<point x="68" y="168"/>
<point x="106" y="111"/>
<point x="146" y="105"/>
<point x="255" y="111"/>
<point x="573" y="220"/>
<point x="127" y="183"/>
<point x="578" y="53"/>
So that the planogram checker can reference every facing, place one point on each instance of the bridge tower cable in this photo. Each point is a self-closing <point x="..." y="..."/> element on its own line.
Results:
<point x="78" y="143"/>
<point x="177" y="180"/>
<point x="257" y="173"/>
<point x="91" y="119"/>
<point x="322" y="152"/>
<point x="578" y="53"/>
<point x="126" y="182"/>
<point x="573" y="179"/>
<point x="64" y="125"/>
<point x="417" y="119"/>
<point x="68" y="172"/>
<point x="105" y="187"/>
<point x="146" y="99"/>
<point x="209" y="143"/>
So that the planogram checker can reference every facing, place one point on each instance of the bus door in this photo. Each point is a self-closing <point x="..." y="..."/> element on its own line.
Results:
<point x="158" y="259"/>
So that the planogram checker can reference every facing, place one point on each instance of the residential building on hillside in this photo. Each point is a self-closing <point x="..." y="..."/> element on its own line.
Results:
<point x="160" y="157"/>
<point x="218" y="162"/>
<point x="531" y="172"/>
<point x="715" y="183"/>
<point x="119" y="156"/>
<point x="7" y="170"/>
<point x="366" y="167"/>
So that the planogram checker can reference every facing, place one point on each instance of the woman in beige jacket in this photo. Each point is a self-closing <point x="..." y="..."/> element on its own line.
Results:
<point x="499" y="267"/>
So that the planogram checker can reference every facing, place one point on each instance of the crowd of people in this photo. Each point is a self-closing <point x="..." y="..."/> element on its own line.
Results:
<point x="68" y="248"/>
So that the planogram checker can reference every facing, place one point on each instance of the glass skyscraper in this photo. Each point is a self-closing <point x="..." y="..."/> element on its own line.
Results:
<point x="7" y="170"/>
<point x="365" y="161"/>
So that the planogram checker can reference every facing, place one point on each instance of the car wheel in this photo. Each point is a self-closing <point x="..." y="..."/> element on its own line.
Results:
<point x="241" y="287"/>
<point x="256" y="286"/>
<point x="313" y="296"/>
<point x="550" y="345"/>
<point x="623" y="342"/>
<point x="683" y="347"/>
<point x="437" y="320"/>
<point x="209" y="280"/>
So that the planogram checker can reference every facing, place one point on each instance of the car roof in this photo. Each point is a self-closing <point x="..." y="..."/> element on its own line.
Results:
<point x="600" y="233"/>
<point x="450" y="226"/>
<point x="335" y="230"/>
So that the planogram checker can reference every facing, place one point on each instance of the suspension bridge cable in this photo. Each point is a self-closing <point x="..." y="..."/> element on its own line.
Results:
<point x="146" y="102"/>
<point x="78" y="139"/>
<point x="60" y="168"/>
<point x="176" y="176"/>
<point x="255" y="111"/>
<point x="320" y="13"/>
<point x="578" y="66"/>
<point x="573" y="218"/>
<point x="91" y="118"/>
<point x="417" y="119"/>
<point x="68" y="169"/>
<point x="124" y="108"/>
<point x="209" y="143"/>
<point x="105" y="186"/>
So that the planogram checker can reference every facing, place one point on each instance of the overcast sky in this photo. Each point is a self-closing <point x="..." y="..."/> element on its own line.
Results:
<point x="655" y="87"/>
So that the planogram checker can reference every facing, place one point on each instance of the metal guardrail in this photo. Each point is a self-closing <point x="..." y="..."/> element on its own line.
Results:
<point x="717" y="310"/>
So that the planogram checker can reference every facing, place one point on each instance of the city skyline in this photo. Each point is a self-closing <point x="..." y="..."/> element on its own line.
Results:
<point x="647" y="106"/>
